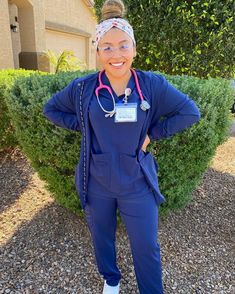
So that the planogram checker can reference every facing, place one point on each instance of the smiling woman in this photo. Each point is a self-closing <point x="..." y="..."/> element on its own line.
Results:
<point x="115" y="53"/>
<point x="116" y="49"/>
<point x="118" y="111"/>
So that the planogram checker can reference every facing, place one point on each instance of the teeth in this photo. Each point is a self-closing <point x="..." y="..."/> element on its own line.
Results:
<point x="117" y="64"/>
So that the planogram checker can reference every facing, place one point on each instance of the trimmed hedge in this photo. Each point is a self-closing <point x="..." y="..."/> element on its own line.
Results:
<point x="7" y="78"/>
<point x="54" y="152"/>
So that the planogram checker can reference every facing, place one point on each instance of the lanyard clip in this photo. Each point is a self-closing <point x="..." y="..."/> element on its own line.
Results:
<point x="127" y="93"/>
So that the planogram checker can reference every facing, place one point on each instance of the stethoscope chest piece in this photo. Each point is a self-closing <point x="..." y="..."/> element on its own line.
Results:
<point x="144" y="105"/>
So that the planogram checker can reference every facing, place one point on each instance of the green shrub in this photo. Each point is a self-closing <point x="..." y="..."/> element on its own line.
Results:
<point x="54" y="152"/>
<point x="184" y="158"/>
<point x="7" y="78"/>
<point x="183" y="37"/>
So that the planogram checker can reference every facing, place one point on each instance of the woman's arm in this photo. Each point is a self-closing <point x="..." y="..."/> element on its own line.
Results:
<point x="173" y="110"/>
<point x="60" y="108"/>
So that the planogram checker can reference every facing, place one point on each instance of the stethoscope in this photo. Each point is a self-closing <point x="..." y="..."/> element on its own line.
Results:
<point x="144" y="105"/>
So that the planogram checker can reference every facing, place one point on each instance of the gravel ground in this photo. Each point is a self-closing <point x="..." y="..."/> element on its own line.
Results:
<point x="47" y="249"/>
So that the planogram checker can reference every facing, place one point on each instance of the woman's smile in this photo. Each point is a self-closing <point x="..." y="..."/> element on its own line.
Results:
<point x="117" y="65"/>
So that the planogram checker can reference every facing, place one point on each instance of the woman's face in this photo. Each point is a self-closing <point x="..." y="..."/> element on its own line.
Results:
<point x="120" y="57"/>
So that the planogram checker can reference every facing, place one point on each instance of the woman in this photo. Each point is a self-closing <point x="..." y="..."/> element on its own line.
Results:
<point x="118" y="110"/>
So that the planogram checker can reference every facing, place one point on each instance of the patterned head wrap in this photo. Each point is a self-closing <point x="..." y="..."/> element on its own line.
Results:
<point x="108" y="24"/>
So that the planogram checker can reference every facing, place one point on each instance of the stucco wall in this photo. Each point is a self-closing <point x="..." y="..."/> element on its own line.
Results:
<point x="73" y="14"/>
<point x="6" y="54"/>
<point x="43" y="25"/>
<point x="15" y="37"/>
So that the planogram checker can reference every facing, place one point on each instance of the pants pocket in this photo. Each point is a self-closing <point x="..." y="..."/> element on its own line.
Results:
<point x="150" y="170"/>
<point x="100" y="168"/>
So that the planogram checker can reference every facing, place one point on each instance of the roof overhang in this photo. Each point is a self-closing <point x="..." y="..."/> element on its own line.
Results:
<point x="89" y="3"/>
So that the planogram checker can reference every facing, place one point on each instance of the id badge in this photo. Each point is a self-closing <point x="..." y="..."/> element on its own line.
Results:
<point x="125" y="112"/>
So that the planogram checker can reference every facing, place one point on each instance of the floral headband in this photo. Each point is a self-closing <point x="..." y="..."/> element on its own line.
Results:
<point x="108" y="24"/>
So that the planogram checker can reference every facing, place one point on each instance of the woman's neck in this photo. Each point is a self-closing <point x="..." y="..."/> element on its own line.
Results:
<point x="119" y="85"/>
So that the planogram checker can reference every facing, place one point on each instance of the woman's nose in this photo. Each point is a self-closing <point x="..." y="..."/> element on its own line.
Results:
<point x="116" y="52"/>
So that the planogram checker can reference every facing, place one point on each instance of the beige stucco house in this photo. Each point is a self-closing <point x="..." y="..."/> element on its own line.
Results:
<point x="31" y="27"/>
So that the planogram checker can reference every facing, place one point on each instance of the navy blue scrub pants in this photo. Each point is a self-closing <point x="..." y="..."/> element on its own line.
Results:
<point x="140" y="216"/>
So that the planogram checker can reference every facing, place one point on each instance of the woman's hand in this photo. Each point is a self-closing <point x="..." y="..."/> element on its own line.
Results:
<point x="145" y="144"/>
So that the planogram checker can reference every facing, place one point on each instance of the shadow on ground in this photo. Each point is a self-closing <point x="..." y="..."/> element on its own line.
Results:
<point x="15" y="174"/>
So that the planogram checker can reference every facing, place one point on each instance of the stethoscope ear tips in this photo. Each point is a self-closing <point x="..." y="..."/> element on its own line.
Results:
<point x="109" y="114"/>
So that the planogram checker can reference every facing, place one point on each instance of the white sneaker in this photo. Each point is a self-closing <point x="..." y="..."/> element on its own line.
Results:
<point x="111" y="289"/>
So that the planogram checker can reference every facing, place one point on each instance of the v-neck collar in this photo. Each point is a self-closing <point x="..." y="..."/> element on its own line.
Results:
<point x="105" y="81"/>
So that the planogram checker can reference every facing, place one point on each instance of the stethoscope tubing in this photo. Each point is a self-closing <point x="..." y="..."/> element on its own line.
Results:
<point x="102" y="86"/>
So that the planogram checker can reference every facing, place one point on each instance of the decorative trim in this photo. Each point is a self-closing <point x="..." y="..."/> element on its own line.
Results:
<point x="65" y="29"/>
<point x="84" y="141"/>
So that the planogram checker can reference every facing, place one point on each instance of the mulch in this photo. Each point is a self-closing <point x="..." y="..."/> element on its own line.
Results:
<point x="47" y="249"/>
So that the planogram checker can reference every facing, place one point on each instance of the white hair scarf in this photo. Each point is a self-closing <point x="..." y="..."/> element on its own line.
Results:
<point x="108" y="24"/>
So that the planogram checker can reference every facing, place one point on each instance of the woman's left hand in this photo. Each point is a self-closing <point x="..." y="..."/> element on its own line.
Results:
<point x="145" y="144"/>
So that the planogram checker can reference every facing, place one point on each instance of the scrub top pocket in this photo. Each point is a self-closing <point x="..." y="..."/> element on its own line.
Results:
<point x="130" y="171"/>
<point x="100" y="168"/>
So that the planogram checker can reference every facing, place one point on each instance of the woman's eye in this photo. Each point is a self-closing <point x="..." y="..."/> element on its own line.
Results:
<point x="125" y="46"/>
<point x="107" y="49"/>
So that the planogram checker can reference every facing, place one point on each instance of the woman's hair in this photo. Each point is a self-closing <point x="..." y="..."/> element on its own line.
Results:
<point x="113" y="9"/>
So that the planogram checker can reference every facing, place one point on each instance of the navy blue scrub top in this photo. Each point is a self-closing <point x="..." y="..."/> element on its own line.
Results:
<point x="114" y="169"/>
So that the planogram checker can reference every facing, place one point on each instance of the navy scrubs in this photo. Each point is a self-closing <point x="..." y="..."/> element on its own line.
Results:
<point x="117" y="182"/>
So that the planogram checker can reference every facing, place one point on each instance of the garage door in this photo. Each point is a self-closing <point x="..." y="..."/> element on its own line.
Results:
<point x="58" y="42"/>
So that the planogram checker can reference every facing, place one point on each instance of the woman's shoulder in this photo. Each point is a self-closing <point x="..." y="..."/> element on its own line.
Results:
<point x="151" y="77"/>
<point x="86" y="77"/>
<point x="74" y="85"/>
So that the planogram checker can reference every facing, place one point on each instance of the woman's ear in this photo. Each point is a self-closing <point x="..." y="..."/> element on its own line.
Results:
<point x="98" y="62"/>
<point x="134" y="52"/>
<point x="97" y="54"/>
